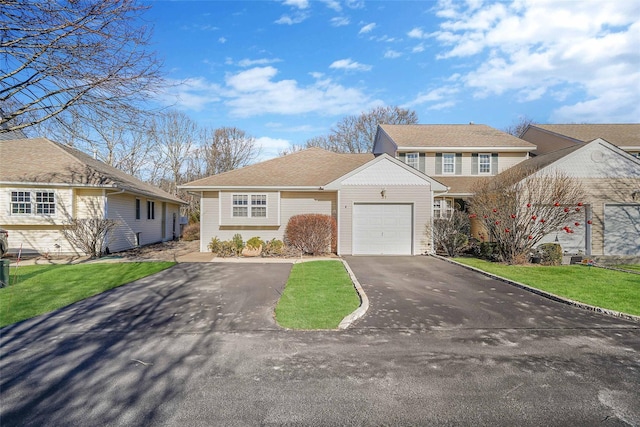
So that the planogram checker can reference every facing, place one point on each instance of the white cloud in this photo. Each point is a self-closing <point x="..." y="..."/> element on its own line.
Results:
<point x="417" y="33"/>
<point x="367" y="28"/>
<point x="418" y="48"/>
<point x="222" y="40"/>
<point x="192" y="94"/>
<point x="544" y="49"/>
<point x="296" y="18"/>
<point x="256" y="91"/>
<point x="446" y="93"/>
<point x="333" y="4"/>
<point x="339" y="21"/>
<point x="390" y="53"/>
<point x="300" y="4"/>
<point x="252" y="62"/>
<point x="348" y="64"/>
<point x="271" y="147"/>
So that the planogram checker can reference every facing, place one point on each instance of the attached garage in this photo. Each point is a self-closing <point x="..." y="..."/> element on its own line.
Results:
<point x="622" y="229"/>
<point x="382" y="229"/>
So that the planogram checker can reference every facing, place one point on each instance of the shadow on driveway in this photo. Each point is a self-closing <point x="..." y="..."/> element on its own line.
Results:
<point x="132" y="347"/>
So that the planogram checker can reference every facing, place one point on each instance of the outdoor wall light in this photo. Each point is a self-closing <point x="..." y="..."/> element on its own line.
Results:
<point x="383" y="193"/>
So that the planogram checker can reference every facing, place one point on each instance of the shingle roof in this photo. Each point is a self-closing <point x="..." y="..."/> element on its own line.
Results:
<point x="435" y="136"/>
<point x="40" y="160"/>
<point x="538" y="162"/>
<point x="313" y="167"/>
<point x="622" y="135"/>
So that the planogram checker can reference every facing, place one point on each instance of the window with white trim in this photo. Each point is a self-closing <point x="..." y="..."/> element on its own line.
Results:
<point x="240" y="205"/>
<point x="448" y="163"/>
<point x="33" y="203"/>
<point x="249" y="206"/>
<point x="412" y="159"/>
<point x="442" y="208"/>
<point x="21" y="202"/>
<point x="259" y="205"/>
<point x="45" y="203"/>
<point x="484" y="163"/>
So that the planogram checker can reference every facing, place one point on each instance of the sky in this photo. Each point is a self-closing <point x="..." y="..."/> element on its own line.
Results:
<point x="286" y="71"/>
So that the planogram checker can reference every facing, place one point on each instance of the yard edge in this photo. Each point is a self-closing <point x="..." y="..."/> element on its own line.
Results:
<point x="546" y="294"/>
<point x="364" y="301"/>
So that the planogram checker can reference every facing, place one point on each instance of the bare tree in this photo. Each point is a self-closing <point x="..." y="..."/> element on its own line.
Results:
<point x="175" y="137"/>
<point x="228" y="148"/>
<point x="518" y="126"/>
<point x="450" y="234"/>
<point x="294" y="148"/>
<point x="65" y="60"/>
<point x="356" y="134"/>
<point x="518" y="207"/>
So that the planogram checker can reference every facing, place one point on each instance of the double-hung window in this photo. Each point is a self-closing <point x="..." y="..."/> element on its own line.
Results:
<point x="240" y="205"/>
<point x="45" y="203"/>
<point x="21" y="202"/>
<point x="33" y="202"/>
<point x="412" y="159"/>
<point x="249" y="206"/>
<point x="484" y="163"/>
<point x="259" y="205"/>
<point x="448" y="163"/>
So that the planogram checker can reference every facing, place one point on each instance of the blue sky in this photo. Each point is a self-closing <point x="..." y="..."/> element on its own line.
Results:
<point x="286" y="71"/>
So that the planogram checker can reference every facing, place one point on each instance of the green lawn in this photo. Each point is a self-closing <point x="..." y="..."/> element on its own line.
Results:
<point x="609" y="289"/>
<point x="318" y="295"/>
<point x="634" y="267"/>
<point x="39" y="289"/>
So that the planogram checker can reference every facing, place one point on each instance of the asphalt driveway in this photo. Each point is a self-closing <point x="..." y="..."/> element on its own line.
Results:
<point x="429" y="293"/>
<point x="196" y="345"/>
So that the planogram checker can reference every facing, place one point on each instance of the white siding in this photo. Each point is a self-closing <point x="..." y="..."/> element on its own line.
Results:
<point x="419" y="197"/>
<point x="290" y="203"/>
<point x="226" y="210"/>
<point x="122" y="208"/>
<point x="64" y="204"/>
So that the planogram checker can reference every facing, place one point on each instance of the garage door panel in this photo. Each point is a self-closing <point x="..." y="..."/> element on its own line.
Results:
<point x="382" y="229"/>
<point x="622" y="229"/>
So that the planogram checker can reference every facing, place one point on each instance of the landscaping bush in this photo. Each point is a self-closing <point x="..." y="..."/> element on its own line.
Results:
<point x="255" y="243"/>
<point x="488" y="251"/>
<point x="311" y="233"/>
<point x="238" y="243"/>
<point x="191" y="232"/>
<point x="273" y="248"/>
<point x="215" y="245"/>
<point x="228" y="248"/>
<point x="550" y="253"/>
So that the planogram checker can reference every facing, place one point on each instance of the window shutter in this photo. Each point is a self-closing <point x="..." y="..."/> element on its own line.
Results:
<point x="458" y="163"/>
<point x="474" y="163"/>
<point x="494" y="163"/>
<point x="438" y="163"/>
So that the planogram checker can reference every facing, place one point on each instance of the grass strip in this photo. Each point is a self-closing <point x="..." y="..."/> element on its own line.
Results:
<point x="318" y="295"/>
<point x="613" y="290"/>
<point x="39" y="289"/>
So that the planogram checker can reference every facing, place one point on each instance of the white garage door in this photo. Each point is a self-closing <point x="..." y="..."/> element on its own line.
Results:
<point x="382" y="229"/>
<point x="622" y="229"/>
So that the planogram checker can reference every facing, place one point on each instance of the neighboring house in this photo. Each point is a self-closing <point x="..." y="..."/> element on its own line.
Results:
<point x="549" y="138"/>
<point x="611" y="180"/>
<point x="456" y="155"/>
<point x="381" y="205"/>
<point x="43" y="184"/>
